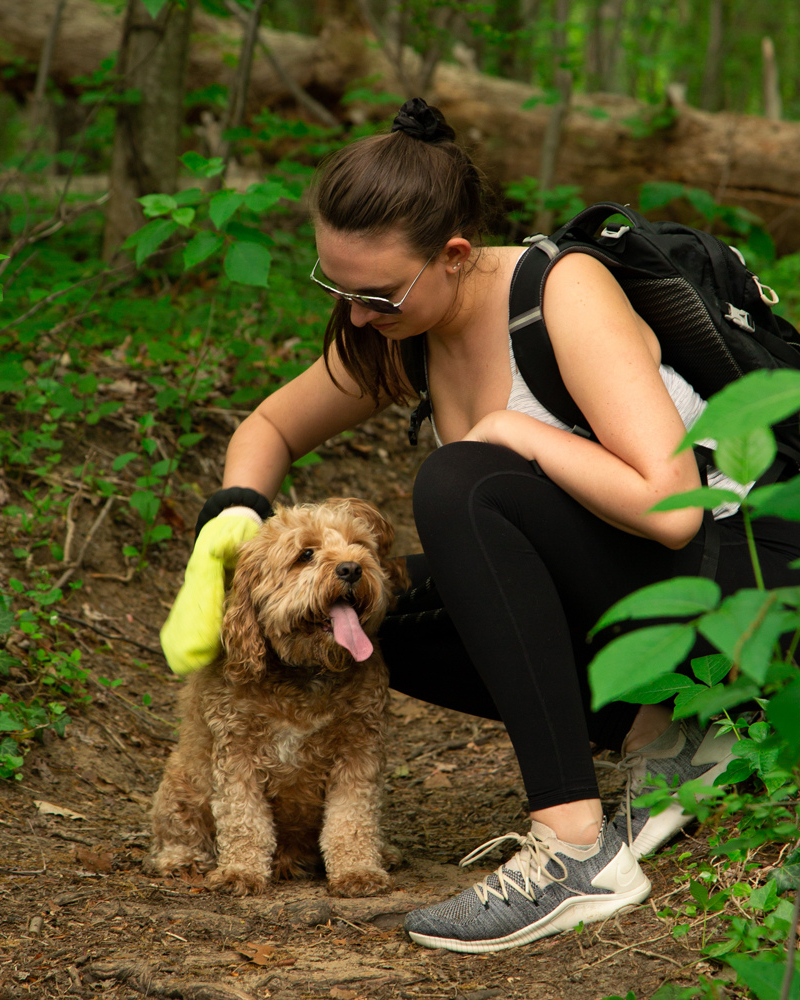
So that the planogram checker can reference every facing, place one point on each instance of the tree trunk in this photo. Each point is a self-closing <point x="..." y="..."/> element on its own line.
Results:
<point x="551" y="143"/>
<point x="147" y="134"/>
<point x="773" y="108"/>
<point x="713" y="98"/>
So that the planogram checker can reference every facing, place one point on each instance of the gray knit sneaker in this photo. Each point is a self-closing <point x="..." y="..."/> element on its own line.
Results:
<point x="547" y="887"/>
<point x="683" y="750"/>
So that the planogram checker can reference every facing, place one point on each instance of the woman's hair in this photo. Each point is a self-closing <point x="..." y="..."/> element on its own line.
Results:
<point x="416" y="179"/>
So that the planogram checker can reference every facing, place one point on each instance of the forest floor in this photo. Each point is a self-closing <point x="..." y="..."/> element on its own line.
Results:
<point x="79" y="915"/>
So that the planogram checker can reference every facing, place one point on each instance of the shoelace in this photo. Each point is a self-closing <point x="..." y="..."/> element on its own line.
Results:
<point x="626" y="766"/>
<point x="530" y="848"/>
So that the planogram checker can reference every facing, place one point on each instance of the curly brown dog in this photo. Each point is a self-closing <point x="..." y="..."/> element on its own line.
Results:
<point x="280" y="754"/>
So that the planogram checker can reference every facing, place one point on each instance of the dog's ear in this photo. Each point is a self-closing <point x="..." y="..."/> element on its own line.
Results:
<point x="245" y="646"/>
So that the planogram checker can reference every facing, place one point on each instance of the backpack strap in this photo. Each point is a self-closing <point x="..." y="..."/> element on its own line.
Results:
<point x="530" y="340"/>
<point x="412" y="354"/>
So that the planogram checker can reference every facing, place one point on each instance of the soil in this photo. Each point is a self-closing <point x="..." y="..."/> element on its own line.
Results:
<point x="82" y="918"/>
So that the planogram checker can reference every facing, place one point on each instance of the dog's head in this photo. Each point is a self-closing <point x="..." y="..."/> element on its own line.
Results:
<point x="310" y="589"/>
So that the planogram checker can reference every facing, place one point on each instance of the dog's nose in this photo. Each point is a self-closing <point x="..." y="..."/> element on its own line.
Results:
<point x="349" y="572"/>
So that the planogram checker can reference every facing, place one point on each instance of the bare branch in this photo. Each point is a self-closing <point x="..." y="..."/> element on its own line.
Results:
<point x="302" y="97"/>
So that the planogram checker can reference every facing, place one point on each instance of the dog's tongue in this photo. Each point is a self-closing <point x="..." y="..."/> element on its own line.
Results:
<point x="347" y="631"/>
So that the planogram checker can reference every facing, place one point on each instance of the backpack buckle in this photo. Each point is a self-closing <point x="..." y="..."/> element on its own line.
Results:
<point x="615" y="234"/>
<point x="740" y="318"/>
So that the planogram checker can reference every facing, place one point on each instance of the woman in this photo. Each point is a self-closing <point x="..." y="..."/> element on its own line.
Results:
<point x="529" y="532"/>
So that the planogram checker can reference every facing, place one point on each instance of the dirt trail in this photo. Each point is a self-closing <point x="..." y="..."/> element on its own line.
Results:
<point x="81" y="918"/>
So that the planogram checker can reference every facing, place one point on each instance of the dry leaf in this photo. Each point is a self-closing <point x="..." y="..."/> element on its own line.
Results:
<point x="95" y="861"/>
<point x="50" y="809"/>
<point x="437" y="780"/>
<point x="339" y="994"/>
<point x="261" y="954"/>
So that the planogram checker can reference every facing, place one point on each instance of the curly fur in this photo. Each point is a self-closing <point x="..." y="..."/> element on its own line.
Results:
<point x="280" y="755"/>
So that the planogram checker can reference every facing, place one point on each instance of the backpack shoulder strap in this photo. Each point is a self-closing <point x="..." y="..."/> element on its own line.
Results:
<point x="412" y="354"/>
<point x="530" y="340"/>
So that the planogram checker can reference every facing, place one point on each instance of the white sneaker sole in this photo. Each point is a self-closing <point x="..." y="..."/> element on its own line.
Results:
<point x="573" y="911"/>
<point x="663" y="827"/>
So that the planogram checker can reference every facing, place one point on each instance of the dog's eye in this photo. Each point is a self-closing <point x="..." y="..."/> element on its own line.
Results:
<point x="306" y="555"/>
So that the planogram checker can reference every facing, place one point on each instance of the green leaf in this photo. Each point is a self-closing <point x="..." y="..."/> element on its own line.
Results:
<point x="261" y="197"/>
<point x="149" y="238"/>
<point x="202" y="167"/>
<point x="660" y="689"/>
<point x="777" y="500"/>
<point x="223" y="205"/>
<point x="745" y="628"/>
<point x="184" y="216"/>
<point x="711" y="669"/>
<point x="636" y="658"/>
<point x="200" y="247"/>
<point x="656" y="194"/>
<point x="759" y="399"/>
<point x="122" y="460"/>
<point x="707" y="497"/>
<point x="312" y="458"/>
<point x="746" y="458"/>
<point x="679" y="597"/>
<point x="699" y="893"/>
<point x="702" y="202"/>
<point x="157" y="204"/>
<point x="248" y="263"/>
<point x="707" y="701"/>
<point x="248" y="234"/>
<point x="154" y="7"/>
<point x="764" y="976"/>
<point x="783" y="712"/>
<point x="190" y="196"/>
<point x="147" y="504"/>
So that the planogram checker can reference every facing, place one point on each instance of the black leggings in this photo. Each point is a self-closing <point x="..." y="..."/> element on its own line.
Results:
<point x="522" y="572"/>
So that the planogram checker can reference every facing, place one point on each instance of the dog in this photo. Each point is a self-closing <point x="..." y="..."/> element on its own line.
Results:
<point x="281" y="747"/>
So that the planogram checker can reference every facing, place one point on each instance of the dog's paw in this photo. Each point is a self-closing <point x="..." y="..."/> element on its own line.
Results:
<point x="391" y="856"/>
<point x="238" y="881"/>
<point x="177" y="862"/>
<point x="373" y="882"/>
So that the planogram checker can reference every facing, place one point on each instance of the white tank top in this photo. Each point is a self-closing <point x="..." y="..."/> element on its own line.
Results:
<point x="688" y="403"/>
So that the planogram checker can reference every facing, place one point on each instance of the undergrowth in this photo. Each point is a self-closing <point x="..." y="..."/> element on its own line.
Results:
<point x="212" y="314"/>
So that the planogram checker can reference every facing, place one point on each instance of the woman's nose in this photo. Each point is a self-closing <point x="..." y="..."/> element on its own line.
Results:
<point x="360" y="315"/>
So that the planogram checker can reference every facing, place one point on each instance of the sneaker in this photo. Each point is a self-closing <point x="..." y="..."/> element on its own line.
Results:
<point x="547" y="887"/>
<point x="683" y="750"/>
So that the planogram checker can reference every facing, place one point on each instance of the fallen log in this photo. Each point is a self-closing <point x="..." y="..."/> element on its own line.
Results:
<point x="606" y="148"/>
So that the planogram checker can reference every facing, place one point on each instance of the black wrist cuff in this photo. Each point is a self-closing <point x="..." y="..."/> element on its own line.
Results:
<point x="234" y="496"/>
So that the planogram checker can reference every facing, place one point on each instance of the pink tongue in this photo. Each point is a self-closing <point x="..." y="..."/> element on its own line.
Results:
<point x="347" y="631"/>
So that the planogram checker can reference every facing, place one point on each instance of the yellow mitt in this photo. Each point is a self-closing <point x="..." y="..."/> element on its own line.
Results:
<point x="190" y="636"/>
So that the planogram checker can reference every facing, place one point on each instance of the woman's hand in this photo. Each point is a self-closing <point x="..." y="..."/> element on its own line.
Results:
<point x="508" y="428"/>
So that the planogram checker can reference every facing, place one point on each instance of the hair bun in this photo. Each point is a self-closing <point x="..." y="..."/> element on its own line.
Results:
<point x="419" y="120"/>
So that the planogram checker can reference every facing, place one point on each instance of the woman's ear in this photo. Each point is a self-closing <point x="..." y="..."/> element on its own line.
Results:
<point x="457" y="252"/>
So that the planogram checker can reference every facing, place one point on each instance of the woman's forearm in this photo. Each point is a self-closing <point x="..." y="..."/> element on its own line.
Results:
<point x="598" y="479"/>
<point x="257" y="457"/>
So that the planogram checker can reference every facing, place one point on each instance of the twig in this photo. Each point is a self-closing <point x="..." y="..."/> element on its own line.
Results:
<point x="87" y="541"/>
<point x="636" y="946"/>
<point x="791" y="943"/>
<point x="106" y="635"/>
<point x="300" y="95"/>
<point x="49" y="226"/>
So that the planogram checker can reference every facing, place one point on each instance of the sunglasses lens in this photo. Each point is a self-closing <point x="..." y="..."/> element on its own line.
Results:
<point x="378" y="305"/>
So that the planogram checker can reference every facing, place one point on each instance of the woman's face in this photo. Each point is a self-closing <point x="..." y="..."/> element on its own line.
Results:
<point x="385" y="266"/>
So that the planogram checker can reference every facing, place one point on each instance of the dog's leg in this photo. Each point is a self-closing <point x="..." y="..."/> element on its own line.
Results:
<point x="245" y="827"/>
<point x="183" y="828"/>
<point x="350" y="839"/>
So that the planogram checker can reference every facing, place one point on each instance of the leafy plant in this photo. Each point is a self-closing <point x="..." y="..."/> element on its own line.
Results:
<point x="755" y="631"/>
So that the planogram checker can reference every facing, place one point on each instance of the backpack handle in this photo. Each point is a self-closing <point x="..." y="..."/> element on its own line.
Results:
<point x="592" y="218"/>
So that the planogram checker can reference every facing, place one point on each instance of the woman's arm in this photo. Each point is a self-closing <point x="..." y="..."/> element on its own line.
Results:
<point x="291" y="422"/>
<point x="611" y="371"/>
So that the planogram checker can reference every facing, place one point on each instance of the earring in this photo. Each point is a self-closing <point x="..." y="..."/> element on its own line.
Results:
<point x="456" y="266"/>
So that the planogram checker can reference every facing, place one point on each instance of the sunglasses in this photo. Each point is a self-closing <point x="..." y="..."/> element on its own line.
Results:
<point x="376" y="303"/>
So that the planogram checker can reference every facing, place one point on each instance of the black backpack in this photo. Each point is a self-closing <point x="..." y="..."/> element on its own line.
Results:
<point x="712" y="316"/>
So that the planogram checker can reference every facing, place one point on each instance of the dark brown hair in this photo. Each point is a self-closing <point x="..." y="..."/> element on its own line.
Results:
<point x="427" y="187"/>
